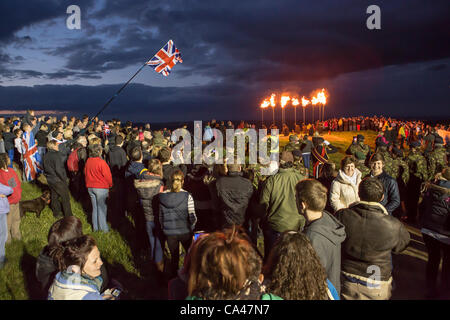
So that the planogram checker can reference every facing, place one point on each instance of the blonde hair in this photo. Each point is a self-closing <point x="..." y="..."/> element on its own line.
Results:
<point x="177" y="181"/>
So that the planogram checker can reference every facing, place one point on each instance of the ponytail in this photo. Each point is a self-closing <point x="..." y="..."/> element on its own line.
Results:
<point x="72" y="252"/>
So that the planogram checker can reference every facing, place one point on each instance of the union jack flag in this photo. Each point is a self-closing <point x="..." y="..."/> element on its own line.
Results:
<point x="165" y="59"/>
<point x="31" y="157"/>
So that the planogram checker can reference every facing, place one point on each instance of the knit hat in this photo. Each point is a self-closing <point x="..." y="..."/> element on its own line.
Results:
<point x="286" y="156"/>
<point x="360" y="138"/>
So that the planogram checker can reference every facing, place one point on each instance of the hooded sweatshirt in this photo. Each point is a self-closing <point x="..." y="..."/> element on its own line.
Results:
<point x="326" y="235"/>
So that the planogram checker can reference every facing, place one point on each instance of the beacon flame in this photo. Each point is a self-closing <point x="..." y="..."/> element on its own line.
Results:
<point x="265" y="104"/>
<point x="295" y="102"/>
<point x="284" y="100"/>
<point x="321" y="97"/>
<point x="272" y="100"/>
<point x="305" y="102"/>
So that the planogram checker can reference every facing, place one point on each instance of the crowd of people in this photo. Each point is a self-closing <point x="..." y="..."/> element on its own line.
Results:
<point x="325" y="230"/>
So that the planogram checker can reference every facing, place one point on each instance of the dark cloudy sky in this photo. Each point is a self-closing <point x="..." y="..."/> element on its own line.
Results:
<point x="235" y="53"/>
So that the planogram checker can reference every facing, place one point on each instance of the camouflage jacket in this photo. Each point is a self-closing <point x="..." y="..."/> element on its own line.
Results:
<point x="291" y="146"/>
<point x="399" y="166"/>
<point x="436" y="160"/>
<point x="389" y="165"/>
<point x="361" y="167"/>
<point x="300" y="167"/>
<point x="363" y="148"/>
<point x="417" y="165"/>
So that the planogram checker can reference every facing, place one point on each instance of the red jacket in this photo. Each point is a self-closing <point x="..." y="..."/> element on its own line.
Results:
<point x="11" y="179"/>
<point x="97" y="174"/>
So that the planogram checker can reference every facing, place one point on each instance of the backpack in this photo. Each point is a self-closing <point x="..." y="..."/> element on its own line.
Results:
<point x="72" y="161"/>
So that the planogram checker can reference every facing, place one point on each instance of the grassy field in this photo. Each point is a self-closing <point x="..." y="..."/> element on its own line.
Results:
<point x="17" y="279"/>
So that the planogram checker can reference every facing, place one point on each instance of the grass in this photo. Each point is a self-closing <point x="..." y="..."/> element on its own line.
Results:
<point x="123" y="262"/>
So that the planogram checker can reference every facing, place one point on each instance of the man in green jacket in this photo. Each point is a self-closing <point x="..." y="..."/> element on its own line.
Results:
<point x="278" y="199"/>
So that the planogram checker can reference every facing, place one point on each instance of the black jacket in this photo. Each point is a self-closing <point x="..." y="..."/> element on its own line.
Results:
<point x="174" y="215"/>
<point x="117" y="161"/>
<point x="234" y="194"/>
<point x="41" y="137"/>
<point x="391" y="200"/>
<point x="9" y="137"/>
<point x="54" y="169"/>
<point x="326" y="235"/>
<point x="372" y="234"/>
<point x="436" y="213"/>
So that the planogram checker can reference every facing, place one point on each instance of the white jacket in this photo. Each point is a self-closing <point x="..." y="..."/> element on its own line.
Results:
<point x="342" y="192"/>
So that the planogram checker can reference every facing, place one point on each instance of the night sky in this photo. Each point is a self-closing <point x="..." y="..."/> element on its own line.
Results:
<point x="235" y="53"/>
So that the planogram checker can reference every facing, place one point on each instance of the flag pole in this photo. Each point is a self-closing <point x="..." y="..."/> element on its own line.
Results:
<point x="117" y="93"/>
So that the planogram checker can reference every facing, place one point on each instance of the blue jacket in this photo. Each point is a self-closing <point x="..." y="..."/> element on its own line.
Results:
<point x="135" y="169"/>
<point x="391" y="200"/>
<point x="4" y="204"/>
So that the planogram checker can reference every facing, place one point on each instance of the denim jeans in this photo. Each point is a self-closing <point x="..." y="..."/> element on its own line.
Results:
<point x="11" y="157"/>
<point x="99" y="208"/>
<point x="306" y="159"/>
<point x="156" y="252"/>
<point x="42" y="151"/>
<point x="3" y="236"/>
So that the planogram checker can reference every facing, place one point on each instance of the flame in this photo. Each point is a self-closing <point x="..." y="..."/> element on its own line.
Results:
<point x="305" y="102"/>
<point x="272" y="100"/>
<point x="295" y="102"/>
<point x="321" y="97"/>
<point x="284" y="100"/>
<point x="265" y="104"/>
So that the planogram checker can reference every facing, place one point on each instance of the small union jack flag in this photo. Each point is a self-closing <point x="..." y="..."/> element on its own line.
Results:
<point x="165" y="59"/>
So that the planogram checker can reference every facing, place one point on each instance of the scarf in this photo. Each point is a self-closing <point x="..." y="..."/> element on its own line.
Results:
<point x="351" y="179"/>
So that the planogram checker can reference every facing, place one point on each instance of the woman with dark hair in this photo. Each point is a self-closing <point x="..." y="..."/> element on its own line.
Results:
<point x="294" y="272"/>
<point x="62" y="230"/>
<point x="98" y="181"/>
<point x="328" y="174"/>
<point x="79" y="265"/>
<point x="225" y="266"/>
<point x="177" y="218"/>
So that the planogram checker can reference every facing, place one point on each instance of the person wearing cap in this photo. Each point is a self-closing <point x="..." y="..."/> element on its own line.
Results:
<point x="360" y="147"/>
<point x="380" y="140"/>
<point x="278" y="200"/>
<point x="320" y="154"/>
<point x="418" y="173"/>
<point x="292" y="144"/>
<point x="437" y="159"/>
<point x="298" y="163"/>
